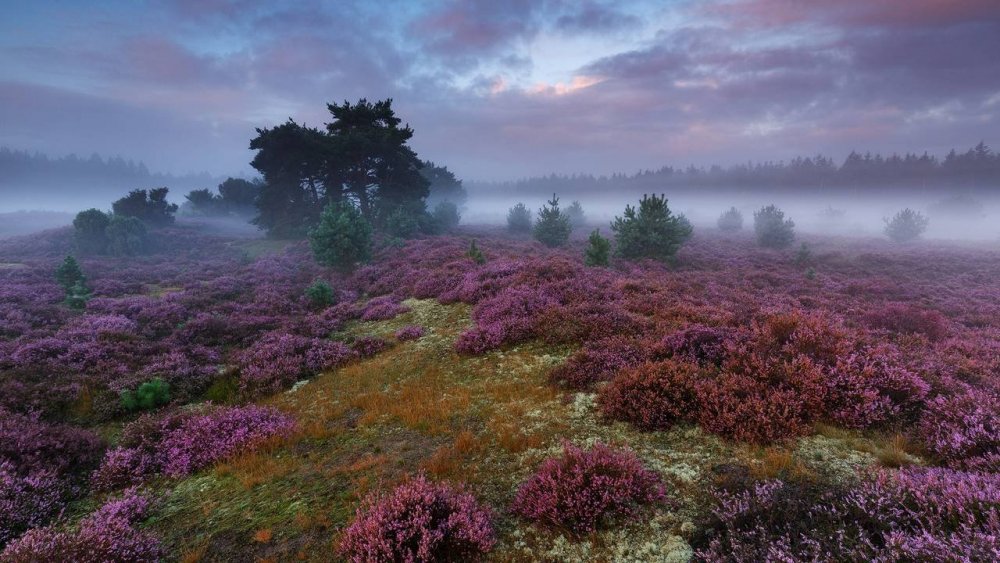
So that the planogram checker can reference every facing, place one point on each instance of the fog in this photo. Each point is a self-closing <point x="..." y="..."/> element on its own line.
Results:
<point x="838" y="214"/>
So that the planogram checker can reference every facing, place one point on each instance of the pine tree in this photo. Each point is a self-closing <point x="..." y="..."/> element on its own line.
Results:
<point x="552" y="227"/>
<point x="597" y="250"/>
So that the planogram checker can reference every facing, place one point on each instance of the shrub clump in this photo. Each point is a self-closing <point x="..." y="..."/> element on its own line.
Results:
<point x="772" y="229"/>
<point x="149" y="395"/>
<point x="552" y="228"/>
<point x="575" y="214"/>
<point x="445" y="217"/>
<point x="90" y="231"/>
<point x="519" y="219"/>
<point x="731" y="220"/>
<point x="419" y="521"/>
<point x="342" y="238"/>
<point x="652" y="231"/>
<point x="410" y="332"/>
<point x="319" y="294"/>
<point x="108" y="534"/>
<point x="653" y="395"/>
<point x="906" y="225"/>
<point x="278" y="359"/>
<point x="586" y="489"/>
<point x="963" y="430"/>
<point x="127" y="236"/>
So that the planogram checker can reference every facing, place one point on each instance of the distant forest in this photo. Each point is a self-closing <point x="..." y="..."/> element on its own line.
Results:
<point x="23" y="174"/>
<point x="976" y="169"/>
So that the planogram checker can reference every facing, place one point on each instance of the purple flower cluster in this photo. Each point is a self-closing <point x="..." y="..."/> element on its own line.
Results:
<point x="181" y="443"/>
<point x="279" y="359"/>
<point x="909" y="515"/>
<point x="585" y="488"/>
<point x="419" y="521"/>
<point x="383" y="308"/>
<point x="410" y="332"/>
<point x="106" y="535"/>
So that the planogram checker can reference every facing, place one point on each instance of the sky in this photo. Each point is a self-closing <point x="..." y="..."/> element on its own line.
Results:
<point x="504" y="89"/>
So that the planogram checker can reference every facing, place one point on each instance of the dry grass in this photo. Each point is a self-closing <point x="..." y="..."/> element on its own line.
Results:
<point x="263" y="535"/>
<point x="193" y="554"/>
<point x="254" y="468"/>
<point x="775" y="462"/>
<point x="894" y="452"/>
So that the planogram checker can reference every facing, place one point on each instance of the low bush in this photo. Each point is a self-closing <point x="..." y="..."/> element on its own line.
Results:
<point x="342" y="238"/>
<point x="772" y="229"/>
<point x="445" y="217"/>
<point x="552" y="228"/>
<point x="587" y="489"/>
<point x="653" y="395"/>
<point x="410" y="332"/>
<point x="599" y="361"/>
<point x="109" y="534"/>
<point x="905" y="226"/>
<point x="149" y="395"/>
<point x="963" y="430"/>
<point x="419" y="521"/>
<point x="127" y="236"/>
<point x="320" y="294"/>
<point x="597" y="251"/>
<point x="731" y="220"/>
<point x="519" y="219"/>
<point x="652" y="231"/>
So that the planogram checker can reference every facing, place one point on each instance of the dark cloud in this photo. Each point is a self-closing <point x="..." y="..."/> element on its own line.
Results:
<point x="594" y="17"/>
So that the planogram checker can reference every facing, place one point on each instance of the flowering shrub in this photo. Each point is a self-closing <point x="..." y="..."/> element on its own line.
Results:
<point x="410" y="332"/>
<point x="382" y="308"/>
<point x="586" y="488"/>
<point x="903" y="318"/>
<point x="179" y="444"/>
<point x="873" y="387"/>
<point x="27" y="501"/>
<point x="368" y="346"/>
<point x="419" y="521"/>
<point x="598" y="361"/>
<point x="653" y="395"/>
<point x="106" y="535"/>
<point x="963" y="430"/>
<point x="279" y="359"/>
<point x="910" y="515"/>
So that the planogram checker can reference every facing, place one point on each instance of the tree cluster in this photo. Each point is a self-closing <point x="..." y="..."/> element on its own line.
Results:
<point x="235" y="197"/>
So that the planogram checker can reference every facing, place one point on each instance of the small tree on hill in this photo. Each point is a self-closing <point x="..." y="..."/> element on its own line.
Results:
<point x="150" y="207"/>
<point x="69" y="273"/>
<point x="598" y="249"/>
<point x="127" y="236"/>
<point x="772" y="229"/>
<point x="475" y="254"/>
<point x="445" y="217"/>
<point x="906" y="225"/>
<point x="552" y="227"/>
<point x="519" y="219"/>
<point x="731" y="220"/>
<point x="90" y="231"/>
<point x="342" y="238"/>
<point x="575" y="214"/>
<point x="652" y="231"/>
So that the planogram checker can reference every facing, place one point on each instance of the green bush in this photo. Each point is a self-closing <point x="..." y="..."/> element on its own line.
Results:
<point x="126" y="236"/>
<point x="652" y="231"/>
<point x="804" y="255"/>
<point x="403" y="223"/>
<point x="906" y="225"/>
<point x="320" y="294"/>
<point x="519" y="219"/>
<point x="731" y="220"/>
<point x="772" y="229"/>
<point x="342" y="238"/>
<point x="69" y="273"/>
<point x="475" y="254"/>
<point x="575" y="215"/>
<point x="445" y="217"/>
<point x="77" y="296"/>
<point x="598" y="249"/>
<point x="552" y="227"/>
<point x="90" y="231"/>
<point x="149" y="395"/>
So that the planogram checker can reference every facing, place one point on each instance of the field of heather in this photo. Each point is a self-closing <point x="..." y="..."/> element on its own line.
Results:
<point x="737" y="404"/>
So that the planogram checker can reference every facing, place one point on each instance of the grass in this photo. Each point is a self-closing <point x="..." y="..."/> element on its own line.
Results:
<point x="486" y="421"/>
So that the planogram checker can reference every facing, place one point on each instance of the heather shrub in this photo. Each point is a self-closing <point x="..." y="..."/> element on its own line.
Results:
<point x="90" y="231"/>
<point x="278" y="359"/>
<point x="697" y="343"/>
<point x="963" y="430"/>
<point x="410" y="332"/>
<point x="506" y="318"/>
<point x="320" y="294"/>
<point x="598" y="361"/>
<point x="873" y="387"/>
<point x="419" y="521"/>
<point x="652" y="231"/>
<point x="106" y="535"/>
<point x="342" y="238"/>
<point x="653" y="395"/>
<point x="574" y="213"/>
<point x="909" y="515"/>
<point x="519" y="219"/>
<point x="772" y="229"/>
<point x="368" y="346"/>
<point x="597" y="251"/>
<point x="383" y="308"/>
<point x="552" y="228"/>
<point x="27" y="501"/>
<point x="907" y="319"/>
<point x="731" y="220"/>
<point x="905" y="226"/>
<point x="588" y="489"/>
<point x="149" y="395"/>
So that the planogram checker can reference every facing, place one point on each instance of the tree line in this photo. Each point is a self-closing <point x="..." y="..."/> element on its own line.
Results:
<point x="978" y="166"/>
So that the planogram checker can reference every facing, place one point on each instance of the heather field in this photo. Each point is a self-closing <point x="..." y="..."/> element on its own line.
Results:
<point x="735" y="403"/>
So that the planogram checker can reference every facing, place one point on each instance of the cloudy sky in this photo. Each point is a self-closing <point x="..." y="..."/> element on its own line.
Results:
<point x="504" y="89"/>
